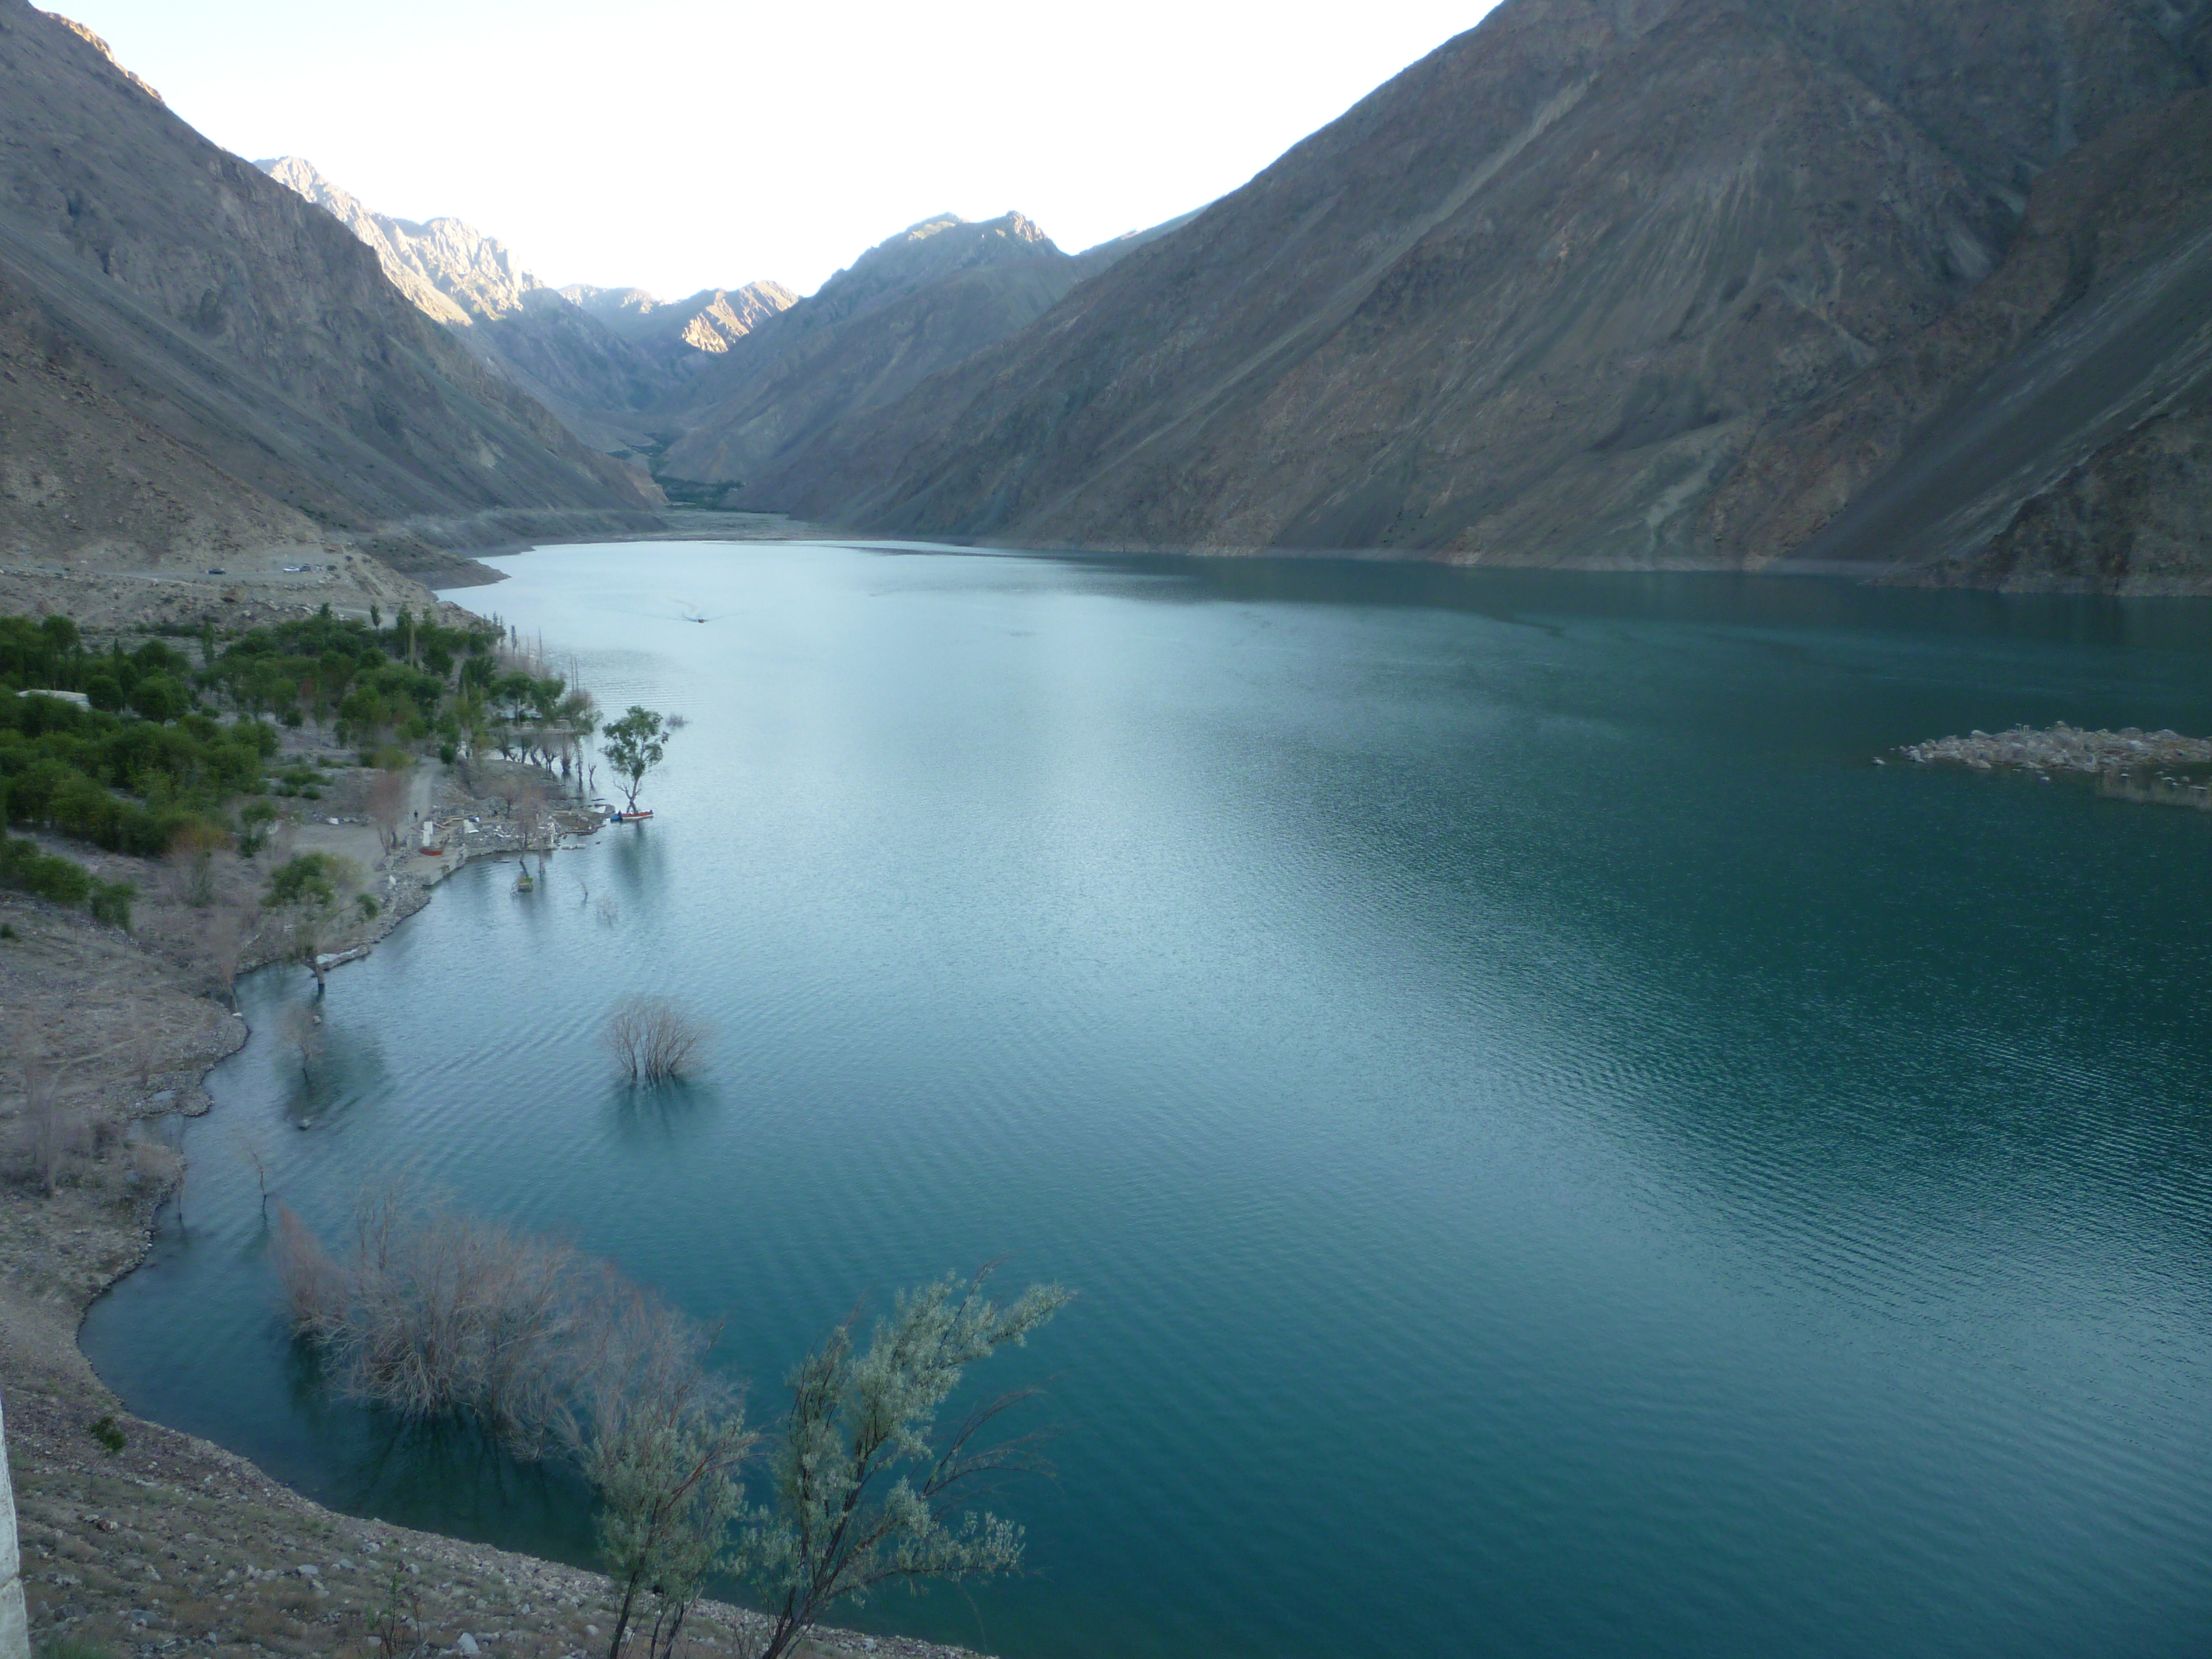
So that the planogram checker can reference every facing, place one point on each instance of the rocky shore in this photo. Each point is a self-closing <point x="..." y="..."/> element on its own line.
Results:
<point x="2150" y="766"/>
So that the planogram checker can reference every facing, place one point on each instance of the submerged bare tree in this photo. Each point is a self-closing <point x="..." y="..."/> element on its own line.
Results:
<point x="301" y="1031"/>
<point x="653" y="1039"/>
<point x="436" y="1313"/>
<point x="866" y="1491"/>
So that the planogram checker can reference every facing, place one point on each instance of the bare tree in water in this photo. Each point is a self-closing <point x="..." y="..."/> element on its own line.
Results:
<point x="653" y="1039"/>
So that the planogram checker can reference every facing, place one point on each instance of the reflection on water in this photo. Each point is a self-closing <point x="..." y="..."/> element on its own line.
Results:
<point x="1561" y="1155"/>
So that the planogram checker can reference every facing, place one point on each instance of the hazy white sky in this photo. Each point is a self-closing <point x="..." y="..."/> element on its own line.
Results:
<point x="679" y="144"/>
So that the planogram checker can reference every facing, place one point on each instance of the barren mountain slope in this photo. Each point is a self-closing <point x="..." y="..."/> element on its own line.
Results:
<point x="1531" y="301"/>
<point x="923" y="302"/>
<point x="919" y="256"/>
<point x="518" y="328"/>
<point x="190" y="345"/>
<point x="2050" y="431"/>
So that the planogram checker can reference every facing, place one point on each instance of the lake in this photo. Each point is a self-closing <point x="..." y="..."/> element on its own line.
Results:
<point x="1560" y="1154"/>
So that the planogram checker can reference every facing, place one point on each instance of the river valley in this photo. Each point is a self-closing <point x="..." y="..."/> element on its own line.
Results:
<point x="1559" y="1152"/>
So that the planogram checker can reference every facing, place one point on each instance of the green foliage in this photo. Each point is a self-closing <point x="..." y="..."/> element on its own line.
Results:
<point x="159" y="697"/>
<point x="865" y="1489"/>
<point x="634" y="745"/>
<point x="63" y="881"/>
<point x="253" y="821"/>
<point x="22" y="866"/>
<point x="110" y="1434"/>
<point x="110" y="902"/>
<point x="371" y="680"/>
<point x="309" y="881"/>
<point x="74" y="772"/>
<point x="665" y="1443"/>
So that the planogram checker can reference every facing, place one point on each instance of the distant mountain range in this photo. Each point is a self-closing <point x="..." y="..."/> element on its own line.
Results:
<point x="710" y="391"/>
<point x="597" y="357"/>
<point x="1915" y="288"/>
<point x="685" y="336"/>
<point x="924" y="300"/>
<point x="193" y="358"/>
<point x="1911" y="284"/>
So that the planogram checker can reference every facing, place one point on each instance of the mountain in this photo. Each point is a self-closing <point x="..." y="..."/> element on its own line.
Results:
<point x="454" y="273"/>
<point x="2056" y="429"/>
<point x="193" y="357"/>
<point x="920" y="302"/>
<point x="684" y="336"/>
<point x="595" y="357"/>
<point x="510" y="321"/>
<point x="1541" y="298"/>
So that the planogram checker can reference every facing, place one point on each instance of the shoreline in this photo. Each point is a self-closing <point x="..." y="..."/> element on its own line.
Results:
<point x="171" y="1539"/>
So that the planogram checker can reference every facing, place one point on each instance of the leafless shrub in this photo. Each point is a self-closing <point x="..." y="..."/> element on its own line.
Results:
<point x="48" y="1133"/>
<point x="144" y="1045"/>
<point x="653" y="1039"/>
<point x="224" y="945"/>
<point x="189" y="869"/>
<point x="153" y="1164"/>
<point x="387" y="798"/>
<point x="436" y="1313"/>
<point x="301" y="1031"/>
<point x="314" y="1287"/>
<point x="250" y="1152"/>
<point x="515" y="790"/>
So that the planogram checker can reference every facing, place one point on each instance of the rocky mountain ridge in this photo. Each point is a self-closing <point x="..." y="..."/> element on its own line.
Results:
<point x="686" y="334"/>
<point x="597" y="358"/>
<point x="454" y="273"/>
<point x="913" y="306"/>
<point x="1539" y="299"/>
<point x="193" y="359"/>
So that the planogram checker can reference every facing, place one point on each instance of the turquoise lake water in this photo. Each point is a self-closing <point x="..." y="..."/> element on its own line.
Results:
<point x="1561" y="1155"/>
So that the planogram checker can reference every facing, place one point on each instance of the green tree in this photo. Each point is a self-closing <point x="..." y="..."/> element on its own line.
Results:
<point x="865" y="1488"/>
<point x="158" y="697"/>
<point x="305" y="891"/>
<point x="634" y="745"/>
<point x="666" y="1442"/>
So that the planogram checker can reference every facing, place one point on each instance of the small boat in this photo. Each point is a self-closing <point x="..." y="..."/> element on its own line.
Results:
<point x="634" y="817"/>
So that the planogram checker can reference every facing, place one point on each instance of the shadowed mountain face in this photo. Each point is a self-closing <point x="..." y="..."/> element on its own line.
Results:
<point x="196" y="357"/>
<point x="2056" y="429"/>
<point x="1533" y="302"/>
<point x="923" y="301"/>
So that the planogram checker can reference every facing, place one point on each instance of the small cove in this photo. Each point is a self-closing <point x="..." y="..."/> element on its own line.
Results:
<point x="1560" y="1154"/>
